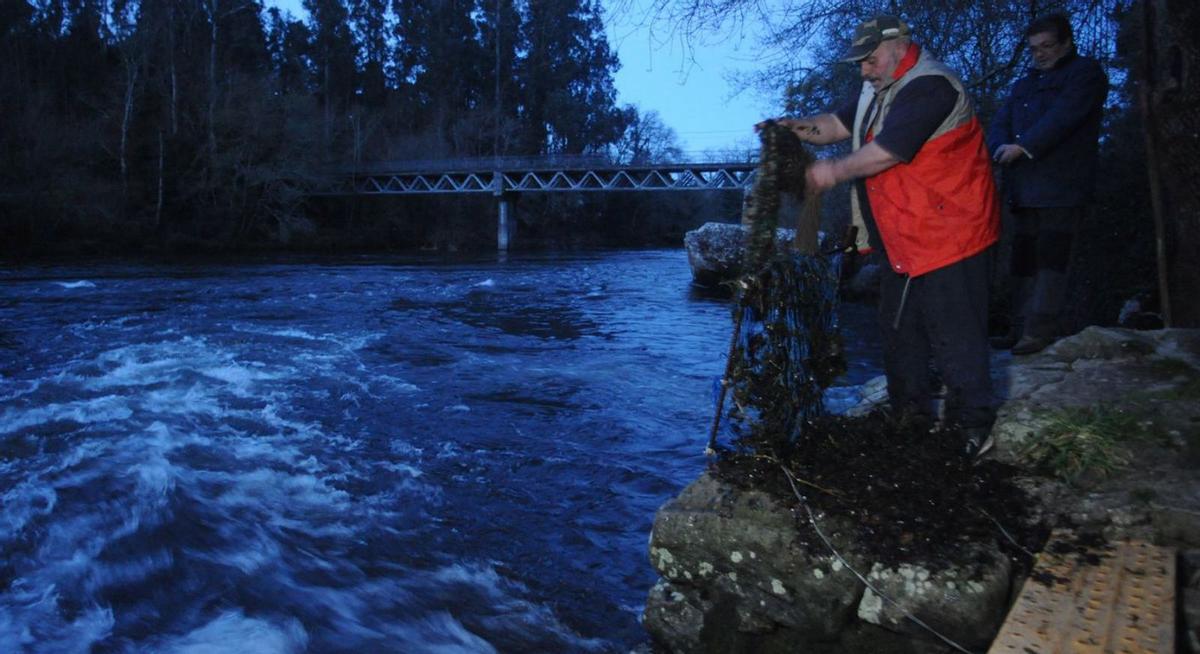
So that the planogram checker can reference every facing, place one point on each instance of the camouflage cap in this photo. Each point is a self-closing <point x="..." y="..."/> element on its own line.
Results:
<point x="871" y="33"/>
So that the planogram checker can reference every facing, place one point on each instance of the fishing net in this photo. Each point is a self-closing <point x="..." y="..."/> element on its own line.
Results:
<point x="786" y="348"/>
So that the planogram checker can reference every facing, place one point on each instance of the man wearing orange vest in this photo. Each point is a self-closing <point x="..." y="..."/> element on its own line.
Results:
<point x="923" y="193"/>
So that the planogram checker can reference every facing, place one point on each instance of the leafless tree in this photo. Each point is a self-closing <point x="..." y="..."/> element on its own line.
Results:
<point x="797" y="42"/>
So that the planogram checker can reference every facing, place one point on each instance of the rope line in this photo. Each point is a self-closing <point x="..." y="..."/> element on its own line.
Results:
<point x="1005" y="532"/>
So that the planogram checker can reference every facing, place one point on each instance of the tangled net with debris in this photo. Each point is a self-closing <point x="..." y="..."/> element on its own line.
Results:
<point x="786" y="348"/>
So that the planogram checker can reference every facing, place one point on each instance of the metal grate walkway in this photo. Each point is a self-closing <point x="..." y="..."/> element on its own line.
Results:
<point x="1084" y="598"/>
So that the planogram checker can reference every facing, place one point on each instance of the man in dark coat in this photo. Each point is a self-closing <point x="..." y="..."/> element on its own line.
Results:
<point x="1045" y="137"/>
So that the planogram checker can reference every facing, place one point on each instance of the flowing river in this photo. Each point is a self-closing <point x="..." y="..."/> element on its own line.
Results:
<point x="371" y="454"/>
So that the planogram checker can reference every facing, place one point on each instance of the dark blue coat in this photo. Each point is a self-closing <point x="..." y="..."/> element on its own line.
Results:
<point x="1055" y="115"/>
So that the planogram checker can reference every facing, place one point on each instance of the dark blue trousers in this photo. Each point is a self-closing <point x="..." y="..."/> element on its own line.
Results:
<point x="1041" y="253"/>
<point x="942" y="327"/>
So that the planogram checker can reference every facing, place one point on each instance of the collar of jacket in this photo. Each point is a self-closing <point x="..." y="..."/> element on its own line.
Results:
<point x="905" y="64"/>
<point x="1058" y="65"/>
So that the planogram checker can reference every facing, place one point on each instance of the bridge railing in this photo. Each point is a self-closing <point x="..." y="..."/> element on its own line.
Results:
<point x="520" y="163"/>
<point x="500" y="175"/>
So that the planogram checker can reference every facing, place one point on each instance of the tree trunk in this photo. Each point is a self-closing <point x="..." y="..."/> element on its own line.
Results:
<point x="131" y="75"/>
<point x="212" y="82"/>
<point x="171" y="65"/>
<point x="328" y="110"/>
<point x="1173" y="101"/>
<point x="1152" y="160"/>
<point x="158" y="204"/>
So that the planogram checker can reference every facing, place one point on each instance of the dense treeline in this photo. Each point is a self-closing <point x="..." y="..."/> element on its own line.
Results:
<point x="195" y="124"/>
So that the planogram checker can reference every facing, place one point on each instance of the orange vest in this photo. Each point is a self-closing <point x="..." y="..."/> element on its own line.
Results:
<point x="942" y="206"/>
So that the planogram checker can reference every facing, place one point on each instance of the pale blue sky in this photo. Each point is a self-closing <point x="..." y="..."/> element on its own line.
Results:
<point x="686" y="86"/>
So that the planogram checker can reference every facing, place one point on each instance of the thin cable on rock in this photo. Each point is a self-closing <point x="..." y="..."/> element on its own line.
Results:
<point x="813" y="520"/>
<point x="1005" y="532"/>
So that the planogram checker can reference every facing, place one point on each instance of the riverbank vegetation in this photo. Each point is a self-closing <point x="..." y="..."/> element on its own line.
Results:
<point x="201" y="124"/>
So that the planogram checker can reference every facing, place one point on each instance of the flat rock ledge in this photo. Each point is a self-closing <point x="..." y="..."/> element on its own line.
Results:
<point x="737" y="574"/>
<point x="736" y="577"/>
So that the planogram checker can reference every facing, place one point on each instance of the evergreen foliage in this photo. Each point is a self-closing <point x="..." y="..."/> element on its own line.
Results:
<point x="189" y="124"/>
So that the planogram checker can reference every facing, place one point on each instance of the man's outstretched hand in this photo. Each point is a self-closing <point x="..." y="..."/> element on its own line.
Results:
<point x="805" y="130"/>
<point x="820" y="176"/>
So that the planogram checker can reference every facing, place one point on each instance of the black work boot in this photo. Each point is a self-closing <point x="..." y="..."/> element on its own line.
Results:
<point x="979" y="441"/>
<point x="1031" y="345"/>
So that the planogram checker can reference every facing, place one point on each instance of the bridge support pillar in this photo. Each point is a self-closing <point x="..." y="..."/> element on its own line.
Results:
<point x="504" y="223"/>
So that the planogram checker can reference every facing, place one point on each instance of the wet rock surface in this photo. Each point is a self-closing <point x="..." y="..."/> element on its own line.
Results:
<point x="941" y="538"/>
<point x="715" y="251"/>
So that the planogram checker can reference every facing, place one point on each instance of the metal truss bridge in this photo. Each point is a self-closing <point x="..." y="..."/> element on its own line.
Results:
<point x="504" y="175"/>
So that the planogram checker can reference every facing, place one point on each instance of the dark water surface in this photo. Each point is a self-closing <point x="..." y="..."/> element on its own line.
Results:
<point x="372" y="454"/>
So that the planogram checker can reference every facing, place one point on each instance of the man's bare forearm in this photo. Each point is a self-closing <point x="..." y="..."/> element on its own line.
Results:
<point x="821" y="129"/>
<point x="868" y="160"/>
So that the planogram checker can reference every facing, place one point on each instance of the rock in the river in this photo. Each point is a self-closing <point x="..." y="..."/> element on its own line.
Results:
<point x="715" y="251"/>
<point x="864" y="282"/>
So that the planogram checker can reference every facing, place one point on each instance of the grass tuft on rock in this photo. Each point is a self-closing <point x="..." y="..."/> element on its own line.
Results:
<point x="1085" y="443"/>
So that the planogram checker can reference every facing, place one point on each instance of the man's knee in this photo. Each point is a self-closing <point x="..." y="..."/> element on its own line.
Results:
<point x="1054" y="250"/>
<point x="1024" y="255"/>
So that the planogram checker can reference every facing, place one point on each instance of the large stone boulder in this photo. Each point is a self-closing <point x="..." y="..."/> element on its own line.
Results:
<point x="1152" y="372"/>
<point x="965" y="603"/>
<point x="864" y="281"/>
<point x="1152" y="377"/>
<point x="715" y="251"/>
<point x="738" y="574"/>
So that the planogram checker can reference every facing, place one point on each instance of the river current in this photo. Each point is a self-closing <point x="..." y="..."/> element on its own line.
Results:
<point x="375" y="454"/>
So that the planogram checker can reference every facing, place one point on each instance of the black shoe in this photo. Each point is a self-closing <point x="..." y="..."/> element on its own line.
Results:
<point x="1031" y="345"/>
<point x="979" y="441"/>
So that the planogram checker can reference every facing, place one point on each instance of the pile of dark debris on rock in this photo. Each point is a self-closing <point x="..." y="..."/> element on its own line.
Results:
<point x="911" y="492"/>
